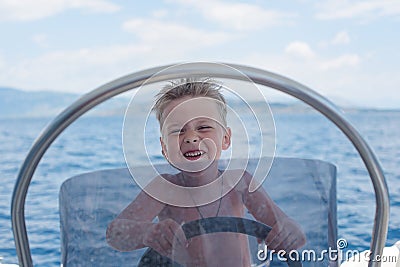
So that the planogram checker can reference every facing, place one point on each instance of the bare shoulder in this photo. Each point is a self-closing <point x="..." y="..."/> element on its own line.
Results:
<point x="159" y="182"/>
<point x="146" y="204"/>
<point x="237" y="179"/>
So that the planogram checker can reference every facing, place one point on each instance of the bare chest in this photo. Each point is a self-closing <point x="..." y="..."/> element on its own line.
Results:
<point x="229" y="205"/>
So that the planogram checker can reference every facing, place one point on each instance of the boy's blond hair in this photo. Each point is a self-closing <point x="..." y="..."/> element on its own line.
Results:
<point x="189" y="87"/>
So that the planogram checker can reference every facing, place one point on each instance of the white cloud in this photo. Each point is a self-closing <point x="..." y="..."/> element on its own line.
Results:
<point x="160" y="13"/>
<point x="175" y="36"/>
<point x="341" y="38"/>
<point x="28" y="10"/>
<point x="299" y="49"/>
<point x="350" y="60"/>
<point x="360" y="9"/>
<point x="158" y="43"/>
<point x="80" y="70"/>
<point x="40" y="39"/>
<point x="74" y="70"/>
<point x="237" y="16"/>
<point x="341" y="78"/>
<point x="2" y="62"/>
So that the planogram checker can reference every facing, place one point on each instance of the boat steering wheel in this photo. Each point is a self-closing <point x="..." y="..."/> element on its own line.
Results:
<point x="213" y="225"/>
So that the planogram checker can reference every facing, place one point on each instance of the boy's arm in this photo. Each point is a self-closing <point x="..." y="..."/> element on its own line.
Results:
<point x="134" y="228"/>
<point x="286" y="234"/>
<point x="126" y="232"/>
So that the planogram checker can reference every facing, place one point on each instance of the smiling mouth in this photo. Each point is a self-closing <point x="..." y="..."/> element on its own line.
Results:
<point x="193" y="155"/>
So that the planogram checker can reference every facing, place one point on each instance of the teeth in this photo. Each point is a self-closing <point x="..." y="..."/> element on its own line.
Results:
<point x="194" y="154"/>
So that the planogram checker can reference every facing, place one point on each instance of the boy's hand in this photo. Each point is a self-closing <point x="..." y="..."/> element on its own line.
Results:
<point x="285" y="235"/>
<point x="166" y="236"/>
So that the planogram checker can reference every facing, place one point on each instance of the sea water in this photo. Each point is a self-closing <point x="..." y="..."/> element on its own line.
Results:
<point x="93" y="143"/>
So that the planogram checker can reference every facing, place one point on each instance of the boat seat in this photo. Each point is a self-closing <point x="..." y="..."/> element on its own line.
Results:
<point x="304" y="189"/>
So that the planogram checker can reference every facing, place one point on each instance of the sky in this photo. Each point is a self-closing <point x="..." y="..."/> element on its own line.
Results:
<point x="347" y="50"/>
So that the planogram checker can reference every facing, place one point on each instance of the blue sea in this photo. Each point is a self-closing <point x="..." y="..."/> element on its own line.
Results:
<point x="93" y="143"/>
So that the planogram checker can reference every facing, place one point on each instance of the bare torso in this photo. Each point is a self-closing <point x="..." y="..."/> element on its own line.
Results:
<point x="219" y="249"/>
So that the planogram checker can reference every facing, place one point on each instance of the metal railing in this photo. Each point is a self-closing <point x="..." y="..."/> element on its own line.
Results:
<point x="166" y="73"/>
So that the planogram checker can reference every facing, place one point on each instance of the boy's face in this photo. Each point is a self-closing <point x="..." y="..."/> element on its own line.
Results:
<point x="192" y="134"/>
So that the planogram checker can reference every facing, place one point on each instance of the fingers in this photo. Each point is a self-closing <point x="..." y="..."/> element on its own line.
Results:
<point x="276" y="238"/>
<point x="285" y="235"/>
<point x="165" y="245"/>
<point x="175" y="233"/>
<point x="285" y="242"/>
<point x="165" y="236"/>
<point x="156" y="240"/>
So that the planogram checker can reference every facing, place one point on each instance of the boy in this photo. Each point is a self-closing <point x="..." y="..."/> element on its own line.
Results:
<point x="192" y="117"/>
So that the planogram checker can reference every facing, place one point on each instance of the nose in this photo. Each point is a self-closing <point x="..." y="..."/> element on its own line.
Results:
<point x="191" y="137"/>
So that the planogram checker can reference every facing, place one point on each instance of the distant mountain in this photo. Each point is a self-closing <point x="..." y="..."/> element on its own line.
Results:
<point x="16" y="103"/>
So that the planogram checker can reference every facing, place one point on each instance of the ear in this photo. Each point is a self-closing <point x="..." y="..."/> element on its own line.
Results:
<point x="163" y="148"/>
<point x="226" y="141"/>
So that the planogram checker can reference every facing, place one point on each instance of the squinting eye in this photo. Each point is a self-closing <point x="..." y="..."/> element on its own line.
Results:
<point x="205" y="127"/>
<point x="176" y="131"/>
